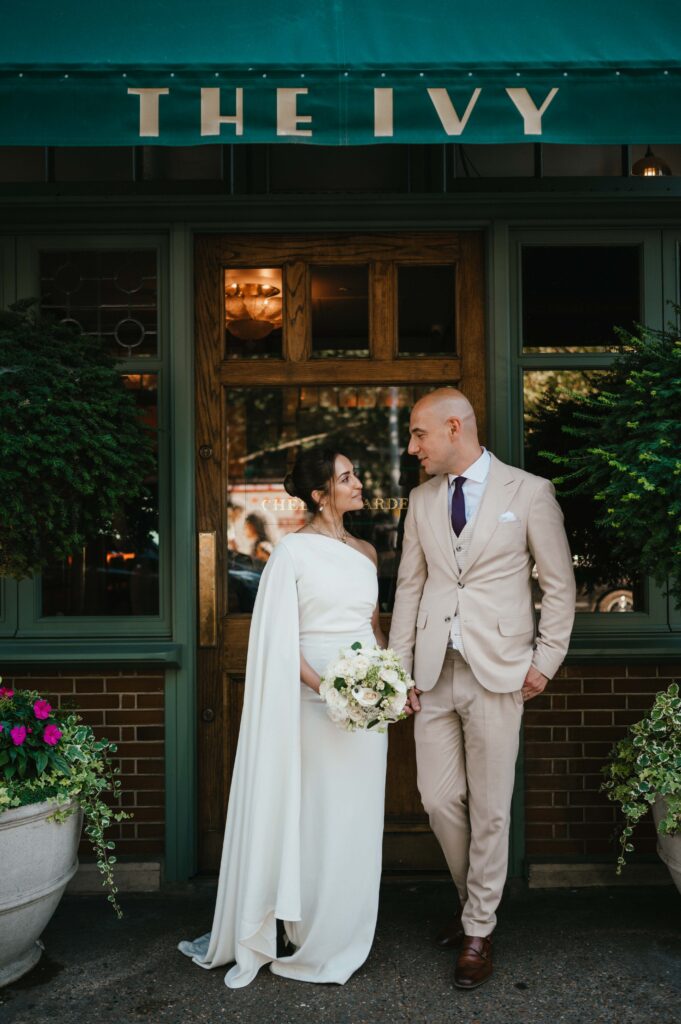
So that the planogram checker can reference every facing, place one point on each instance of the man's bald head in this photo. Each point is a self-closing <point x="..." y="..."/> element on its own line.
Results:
<point x="444" y="432"/>
<point x="447" y="403"/>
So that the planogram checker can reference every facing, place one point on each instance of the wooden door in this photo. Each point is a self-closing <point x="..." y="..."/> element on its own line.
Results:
<point x="302" y="338"/>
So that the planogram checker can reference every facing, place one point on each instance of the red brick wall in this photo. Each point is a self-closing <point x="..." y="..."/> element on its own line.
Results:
<point x="569" y="732"/>
<point x="126" y="706"/>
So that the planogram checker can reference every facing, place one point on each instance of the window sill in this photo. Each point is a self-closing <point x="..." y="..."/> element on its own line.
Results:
<point x="630" y="647"/>
<point x="91" y="652"/>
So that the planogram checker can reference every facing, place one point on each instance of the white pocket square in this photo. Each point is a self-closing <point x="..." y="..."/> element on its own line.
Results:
<point x="508" y="517"/>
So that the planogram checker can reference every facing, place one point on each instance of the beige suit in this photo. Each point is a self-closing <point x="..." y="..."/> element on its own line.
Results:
<point x="467" y="731"/>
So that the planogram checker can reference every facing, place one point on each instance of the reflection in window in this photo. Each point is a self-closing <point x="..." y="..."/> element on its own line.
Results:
<point x="340" y="310"/>
<point x="574" y="295"/>
<point x="266" y="427"/>
<point x="426" y="310"/>
<point x="547" y="410"/>
<point x="253" y="312"/>
<point x="117" y="573"/>
<point x="109" y="294"/>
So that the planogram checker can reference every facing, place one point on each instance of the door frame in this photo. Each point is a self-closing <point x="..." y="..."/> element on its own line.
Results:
<point x="294" y="253"/>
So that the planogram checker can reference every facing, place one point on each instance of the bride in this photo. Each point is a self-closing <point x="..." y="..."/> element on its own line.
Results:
<point x="305" y="817"/>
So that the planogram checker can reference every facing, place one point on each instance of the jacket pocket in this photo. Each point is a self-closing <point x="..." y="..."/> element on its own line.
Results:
<point x="421" y="619"/>
<point x="516" y="625"/>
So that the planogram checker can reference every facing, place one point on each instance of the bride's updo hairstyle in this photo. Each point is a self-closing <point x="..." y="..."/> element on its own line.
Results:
<point x="314" y="470"/>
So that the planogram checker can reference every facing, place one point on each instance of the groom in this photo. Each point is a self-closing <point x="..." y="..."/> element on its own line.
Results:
<point x="464" y="614"/>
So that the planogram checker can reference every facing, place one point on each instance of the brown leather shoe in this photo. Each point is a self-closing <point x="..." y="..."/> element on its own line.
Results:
<point x="451" y="934"/>
<point x="474" y="965"/>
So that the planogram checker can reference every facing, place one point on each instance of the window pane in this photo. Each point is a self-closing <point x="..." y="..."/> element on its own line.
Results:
<point x="601" y="586"/>
<point x="340" y="311"/>
<point x="110" y="294"/>
<point x="114" y="574"/>
<point x="574" y="295"/>
<point x="266" y="427"/>
<point x="426" y="310"/>
<point x="253" y="312"/>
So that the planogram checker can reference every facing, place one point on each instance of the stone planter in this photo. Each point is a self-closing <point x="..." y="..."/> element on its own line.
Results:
<point x="37" y="859"/>
<point x="668" y="847"/>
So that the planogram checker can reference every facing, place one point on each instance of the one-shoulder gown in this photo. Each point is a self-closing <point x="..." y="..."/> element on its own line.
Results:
<point x="304" y="829"/>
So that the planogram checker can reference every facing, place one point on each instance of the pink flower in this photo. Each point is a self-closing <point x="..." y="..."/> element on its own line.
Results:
<point x="18" y="734"/>
<point x="51" y="735"/>
<point x="6" y="692"/>
<point x="42" y="708"/>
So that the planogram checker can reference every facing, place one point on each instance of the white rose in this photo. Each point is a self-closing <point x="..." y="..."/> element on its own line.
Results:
<point x="365" y="696"/>
<point x="398" y="702"/>
<point x="361" y="666"/>
<point x="400" y="686"/>
<point x="336" y="714"/>
<point x="390" y="676"/>
<point x="336" y="699"/>
<point x="343" y="668"/>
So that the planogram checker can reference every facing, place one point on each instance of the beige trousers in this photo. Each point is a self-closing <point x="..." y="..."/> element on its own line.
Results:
<point x="466" y="749"/>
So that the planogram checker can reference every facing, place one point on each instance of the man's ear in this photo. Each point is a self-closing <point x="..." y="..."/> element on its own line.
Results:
<point x="454" y="426"/>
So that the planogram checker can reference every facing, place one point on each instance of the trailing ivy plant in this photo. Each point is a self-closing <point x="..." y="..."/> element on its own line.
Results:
<point x="621" y="459"/>
<point x="49" y="754"/>
<point x="73" y="449"/>
<point x="646" y="764"/>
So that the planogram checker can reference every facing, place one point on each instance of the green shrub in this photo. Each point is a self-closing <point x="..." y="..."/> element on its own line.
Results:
<point x="623" y="460"/>
<point x="646" y="764"/>
<point x="73" y="449"/>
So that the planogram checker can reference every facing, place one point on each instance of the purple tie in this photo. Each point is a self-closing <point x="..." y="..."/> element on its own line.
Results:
<point x="458" y="506"/>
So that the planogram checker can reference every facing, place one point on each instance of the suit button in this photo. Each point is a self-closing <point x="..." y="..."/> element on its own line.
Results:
<point x="448" y="618"/>
<point x="459" y="547"/>
<point x="460" y="585"/>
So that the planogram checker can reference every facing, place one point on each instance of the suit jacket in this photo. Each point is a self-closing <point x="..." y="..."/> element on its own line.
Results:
<point x="492" y="593"/>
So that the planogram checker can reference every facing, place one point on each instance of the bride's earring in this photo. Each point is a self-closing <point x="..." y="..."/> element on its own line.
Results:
<point x="321" y="508"/>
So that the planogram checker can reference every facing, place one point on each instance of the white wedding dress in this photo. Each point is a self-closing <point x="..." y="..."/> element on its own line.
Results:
<point x="304" y="830"/>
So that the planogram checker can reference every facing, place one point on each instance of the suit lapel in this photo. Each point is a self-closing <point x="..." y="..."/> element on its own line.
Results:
<point x="501" y="486"/>
<point x="437" y="508"/>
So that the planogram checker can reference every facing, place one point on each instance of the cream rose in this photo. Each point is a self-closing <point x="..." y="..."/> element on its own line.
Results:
<point x="365" y="696"/>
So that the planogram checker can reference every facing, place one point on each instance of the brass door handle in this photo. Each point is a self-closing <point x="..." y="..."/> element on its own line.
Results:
<point x="208" y="620"/>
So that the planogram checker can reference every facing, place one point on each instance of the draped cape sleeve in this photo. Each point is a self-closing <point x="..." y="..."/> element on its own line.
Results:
<point x="260" y="868"/>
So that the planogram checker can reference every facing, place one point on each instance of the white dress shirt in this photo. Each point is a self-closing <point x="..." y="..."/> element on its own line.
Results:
<point x="474" y="485"/>
<point x="473" y="489"/>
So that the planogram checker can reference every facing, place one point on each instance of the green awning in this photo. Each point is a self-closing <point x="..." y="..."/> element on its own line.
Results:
<point x="339" y="72"/>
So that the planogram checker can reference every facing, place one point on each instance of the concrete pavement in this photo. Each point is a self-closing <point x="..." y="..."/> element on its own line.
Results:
<point x="588" y="956"/>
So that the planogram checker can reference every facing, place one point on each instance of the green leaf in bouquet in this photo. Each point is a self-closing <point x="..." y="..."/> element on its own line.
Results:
<point x="356" y="646"/>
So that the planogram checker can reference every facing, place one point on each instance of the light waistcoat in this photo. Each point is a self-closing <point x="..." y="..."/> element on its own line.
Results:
<point x="460" y="547"/>
<point x="474" y="486"/>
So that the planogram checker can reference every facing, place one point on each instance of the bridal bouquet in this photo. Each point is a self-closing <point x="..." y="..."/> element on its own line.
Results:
<point x="365" y="688"/>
